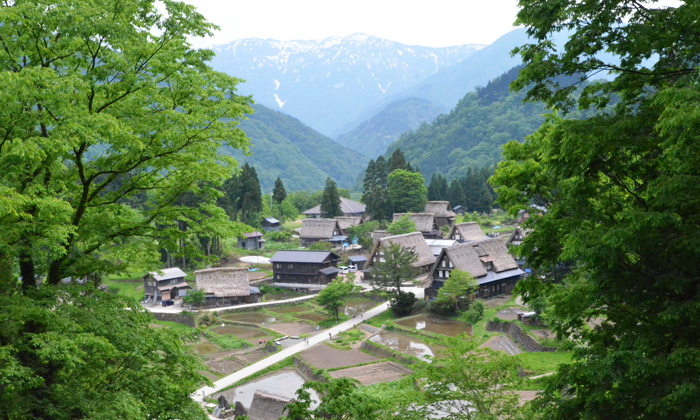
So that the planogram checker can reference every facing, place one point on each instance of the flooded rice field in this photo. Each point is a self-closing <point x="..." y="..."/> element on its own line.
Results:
<point x="355" y="306"/>
<point x="251" y="317"/>
<point x="284" y="383"/>
<point x="204" y="348"/>
<point x="436" y="325"/>
<point x="410" y="346"/>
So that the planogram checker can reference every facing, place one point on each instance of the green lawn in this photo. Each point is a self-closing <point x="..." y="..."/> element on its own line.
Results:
<point x="131" y="289"/>
<point x="175" y="326"/>
<point x="544" y="362"/>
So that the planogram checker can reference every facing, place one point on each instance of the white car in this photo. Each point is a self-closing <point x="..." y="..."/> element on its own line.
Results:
<point x="352" y="268"/>
<point x="343" y="269"/>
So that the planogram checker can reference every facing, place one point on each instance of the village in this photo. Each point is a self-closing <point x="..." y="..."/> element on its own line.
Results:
<point x="265" y="333"/>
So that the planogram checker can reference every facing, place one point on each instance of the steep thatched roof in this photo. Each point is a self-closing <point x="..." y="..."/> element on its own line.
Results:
<point x="425" y="222"/>
<point x="467" y="232"/>
<point x="379" y="234"/>
<point x="439" y="208"/>
<point x="224" y="281"/>
<point x="473" y="257"/>
<point x="319" y="228"/>
<point x="413" y="241"/>
<point x="347" y="206"/>
<point x="518" y="235"/>
<point x="346" y="222"/>
<point x="267" y="406"/>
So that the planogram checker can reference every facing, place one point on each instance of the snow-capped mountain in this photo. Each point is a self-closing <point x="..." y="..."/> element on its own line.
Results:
<point x="328" y="83"/>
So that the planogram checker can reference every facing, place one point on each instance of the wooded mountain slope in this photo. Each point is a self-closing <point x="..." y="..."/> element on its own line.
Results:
<point x="373" y="136"/>
<point x="473" y="133"/>
<point x="284" y="147"/>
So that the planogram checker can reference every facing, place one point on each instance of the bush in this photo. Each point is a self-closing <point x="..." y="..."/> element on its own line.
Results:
<point x="420" y="306"/>
<point x="475" y="311"/>
<point x="279" y="236"/>
<point x="402" y="304"/>
<point x="441" y="307"/>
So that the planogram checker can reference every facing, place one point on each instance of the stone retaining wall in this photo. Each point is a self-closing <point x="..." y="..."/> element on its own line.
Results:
<point x="514" y="331"/>
<point x="384" y="353"/>
<point x="370" y="329"/>
<point x="179" y="318"/>
<point x="307" y="372"/>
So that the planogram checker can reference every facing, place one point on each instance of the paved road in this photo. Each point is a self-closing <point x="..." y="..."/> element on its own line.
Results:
<point x="277" y="357"/>
<point x="177" y="308"/>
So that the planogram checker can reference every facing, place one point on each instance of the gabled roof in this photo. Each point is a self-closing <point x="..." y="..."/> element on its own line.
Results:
<point x="378" y="234"/>
<point x="328" y="271"/>
<point x="518" y="233"/>
<point x="267" y="406"/>
<point x="472" y="257"/>
<point x="271" y="220"/>
<point x="313" y="257"/>
<point x="319" y="228"/>
<point x="357" y="258"/>
<point x="414" y="241"/>
<point x="255" y="234"/>
<point x="439" y="208"/>
<point x="223" y="281"/>
<point x="425" y="222"/>
<point x="347" y="206"/>
<point x="168" y="273"/>
<point x="346" y="222"/>
<point x="468" y="232"/>
<point x="437" y="245"/>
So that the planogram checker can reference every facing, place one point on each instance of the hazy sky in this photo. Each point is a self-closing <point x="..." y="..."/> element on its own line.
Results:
<point x="435" y="23"/>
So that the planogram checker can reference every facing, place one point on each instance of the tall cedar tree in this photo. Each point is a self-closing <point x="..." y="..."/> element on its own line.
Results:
<point x="279" y="194"/>
<point x="621" y="189"/>
<point x="407" y="191"/>
<point x="396" y="267"/>
<point x="398" y="161"/>
<point x="375" y="186"/>
<point x="106" y="104"/>
<point x="455" y="194"/>
<point x="330" y="201"/>
<point x="248" y="195"/>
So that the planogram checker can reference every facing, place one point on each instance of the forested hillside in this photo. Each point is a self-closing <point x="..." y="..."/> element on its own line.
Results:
<point x="284" y="147"/>
<point x="372" y="137"/>
<point x="473" y="133"/>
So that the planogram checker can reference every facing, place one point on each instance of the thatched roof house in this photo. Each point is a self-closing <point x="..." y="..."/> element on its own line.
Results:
<point x="266" y="406"/>
<point x="413" y="241"/>
<point x="314" y="230"/>
<point x="225" y="285"/>
<point x="487" y="261"/>
<point x="425" y="224"/>
<point x="467" y="232"/>
<point x="347" y="206"/>
<point x="346" y="222"/>
<point x="444" y="216"/>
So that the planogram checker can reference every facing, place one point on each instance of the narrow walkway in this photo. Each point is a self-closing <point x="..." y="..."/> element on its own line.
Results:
<point x="176" y="309"/>
<point x="277" y="357"/>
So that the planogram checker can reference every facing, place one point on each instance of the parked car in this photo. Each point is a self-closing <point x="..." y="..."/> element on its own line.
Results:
<point x="168" y="302"/>
<point x="352" y="268"/>
<point x="343" y="269"/>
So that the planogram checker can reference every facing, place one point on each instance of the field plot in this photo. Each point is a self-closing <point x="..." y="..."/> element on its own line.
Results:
<point x="326" y="357"/>
<point x="295" y="328"/>
<point x="374" y="373"/>
<point x="225" y="367"/>
<point x="504" y="344"/>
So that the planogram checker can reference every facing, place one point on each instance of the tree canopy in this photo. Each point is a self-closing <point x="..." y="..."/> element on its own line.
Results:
<point x="330" y="200"/>
<point x="396" y="267"/>
<point x="407" y="191"/>
<point x="401" y="226"/>
<point x="105" y="103"/>
<point x="620" y="190"/>
<point x="332" y="297"/>
<point x="279" y="194"/>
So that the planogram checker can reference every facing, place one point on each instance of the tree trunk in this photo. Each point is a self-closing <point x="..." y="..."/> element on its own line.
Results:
<point x="26" y="270"/>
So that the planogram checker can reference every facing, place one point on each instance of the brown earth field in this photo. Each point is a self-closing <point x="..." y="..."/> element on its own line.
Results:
<point x="326" y="357"/>
<point x="294" y="328"/>
<point x="374" y="373"/>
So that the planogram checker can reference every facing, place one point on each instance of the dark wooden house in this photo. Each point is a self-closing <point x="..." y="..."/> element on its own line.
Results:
<point x="304" y="267"/>
<point x="168" y="283"/>
<point x="252" y="241"/>
<point x="270" y="224"/>
<point x="444" y="216"/>
<point x="487" y="261"/>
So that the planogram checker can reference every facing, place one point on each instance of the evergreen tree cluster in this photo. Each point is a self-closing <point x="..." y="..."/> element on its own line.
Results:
<point x="472" y="191"/>
<point x="377" y="195"/>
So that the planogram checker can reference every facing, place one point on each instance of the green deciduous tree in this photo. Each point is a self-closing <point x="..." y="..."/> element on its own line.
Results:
<point x="456" y="290"/>
<point x="340" y="400"/>
<point x="407" y="191"/>
<point x="330" y="200"/>
<point x="194" y="297"/>
<point x="470" y="383"/>
<point x="620" y="188"/>
<point x="395" y="268"/>
<point x="108" y="117"/>
<point x="362" y="233"/>
<point x="334" y="295"/>
<point x="403" y="225"/>
<point x="279" y="194"/>
<point x="73" y="352"/>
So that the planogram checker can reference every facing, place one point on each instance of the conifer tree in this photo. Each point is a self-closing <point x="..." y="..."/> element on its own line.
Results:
<point x="397" y="161"/>
<point x="330" y="201"/>
<point x="279" y="194"/>
<point x="249" y="196"/>
<point x="455" y="194"/>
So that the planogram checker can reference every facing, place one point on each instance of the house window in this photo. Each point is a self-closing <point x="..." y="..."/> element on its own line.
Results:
<point x="489" y="266"/>
<point x="444" y="264"/>
<point x="457" y="236"/>
<point x="278" y="265"/>
<point x="278" y="277"/>
<point x="447" y="274"/>
<point x="291" y="266"/>
<point x="451" y="266"/>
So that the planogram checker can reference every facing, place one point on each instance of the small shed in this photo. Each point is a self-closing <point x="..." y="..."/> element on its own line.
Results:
<point x="458" y="209"/>
<point x="359" y="260"/>
<point x="226" y="286"/>
<point x="267" y="406"/>
<point x="270" y="224"/>
<point x="252" y="241"/>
